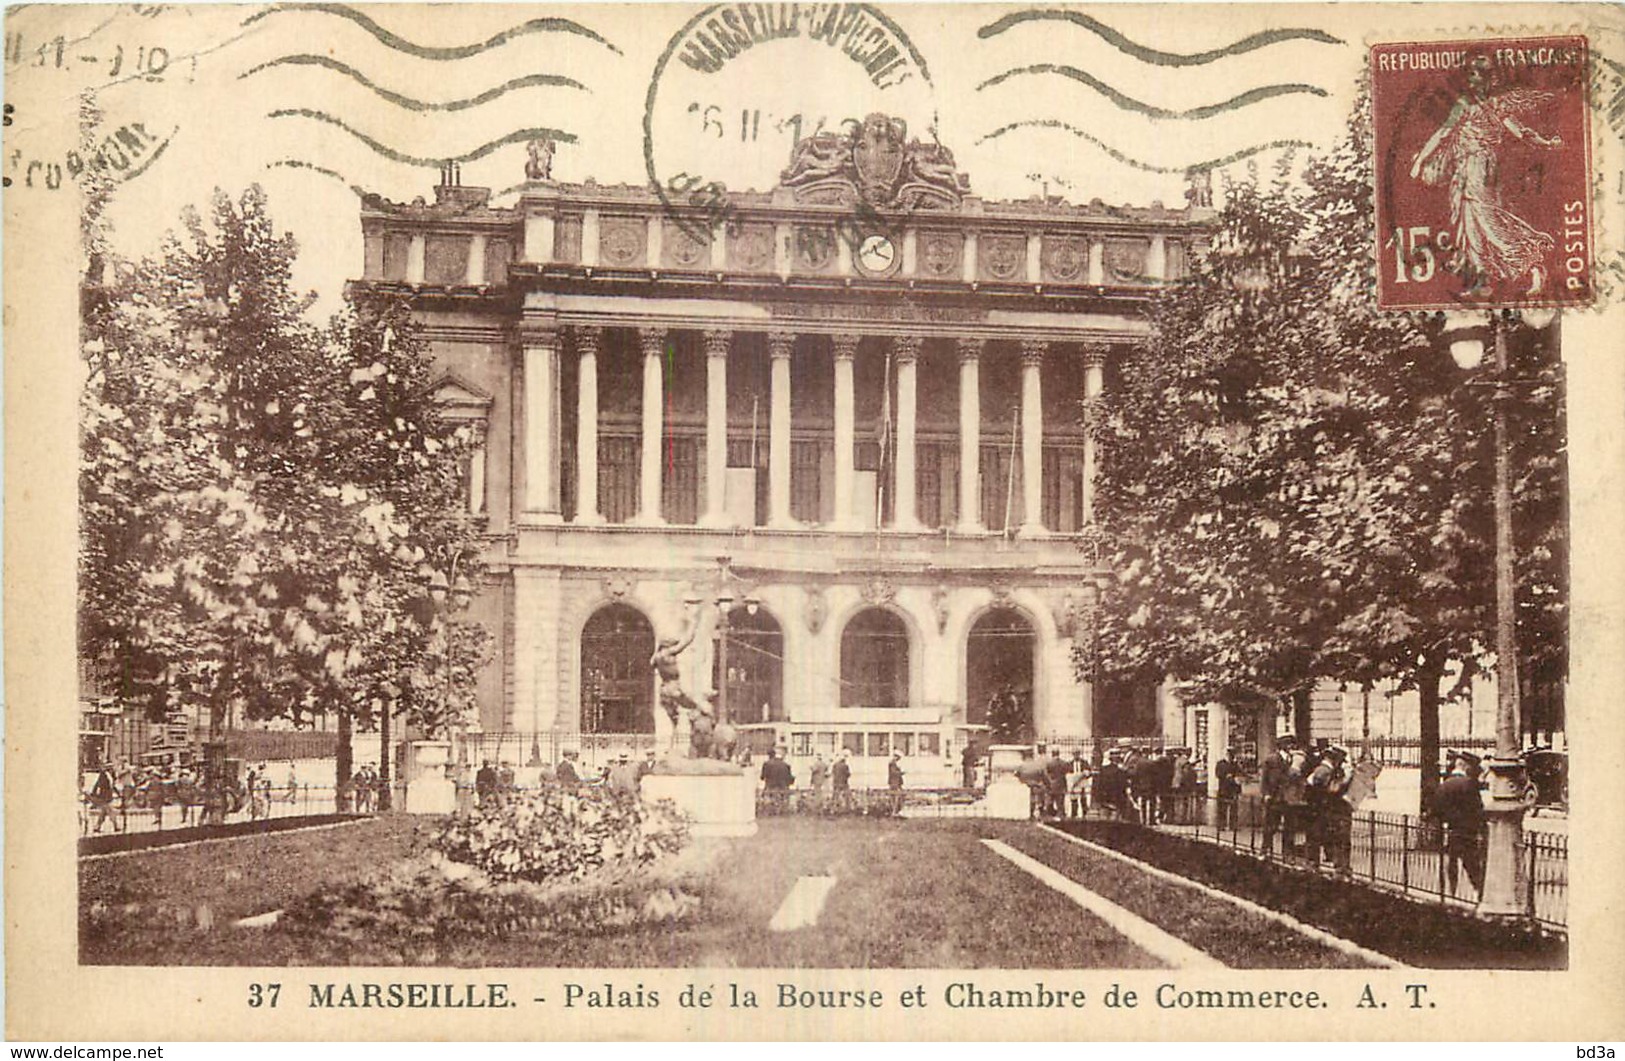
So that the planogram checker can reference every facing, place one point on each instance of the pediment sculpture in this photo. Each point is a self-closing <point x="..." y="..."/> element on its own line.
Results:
<point x="874" y="162"/>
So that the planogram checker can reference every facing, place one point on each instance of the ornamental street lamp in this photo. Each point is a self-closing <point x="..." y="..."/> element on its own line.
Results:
<point x="723" y="596"/>
<point x="1505" y="893"/>
<point x="450" y="596"/>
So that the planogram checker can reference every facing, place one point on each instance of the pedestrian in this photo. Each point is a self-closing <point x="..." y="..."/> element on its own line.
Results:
<point x="102" y="793"/>
<point x="1111" y="786"/>
<point x="777" y="777"/>
<point x="1295" y="797"/>
<point x="1272" y="783"/>
<point x="1077" y="787"/>
<point x="647" y="766"/>
<point x="1228" y="776"/>
<point x="1330" y="814"/>
<point x="507" y="780"/>
<point x="623" y="775"/>
<point x="1459" y="805"/>
<point x="485" y="785"/>
<point x="565" y="772"/>
<point x="1055" y="773"/>
<point x="894" y="783"/>
<point x="820" y="780"/>
<point x="1144" y="778"/>
<point x="967" y="763"/>
<point x="841" y="778"/>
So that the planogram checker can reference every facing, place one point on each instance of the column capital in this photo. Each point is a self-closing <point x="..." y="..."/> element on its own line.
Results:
<point x="1094" y="354"/>
<point x="1033" y="351"/>
<point x="907" y="348"/>
<point x="653" y="341"/>
<point x="716" y="343"/>
<point x="845" y="346"/>
<point x="586" y="338"/>
<point x="969" y="349"/>
<point x="779" y="344"/>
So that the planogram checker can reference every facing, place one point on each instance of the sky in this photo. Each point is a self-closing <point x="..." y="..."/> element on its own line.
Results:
<point x="315" y="101"/>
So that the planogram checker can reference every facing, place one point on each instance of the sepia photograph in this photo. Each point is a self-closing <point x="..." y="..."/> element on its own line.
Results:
<point x="1104" y="509"/>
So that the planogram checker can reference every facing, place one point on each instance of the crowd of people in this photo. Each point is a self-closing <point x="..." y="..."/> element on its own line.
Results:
<point x="115" y="790"/>
<point x="1148" y="787"/>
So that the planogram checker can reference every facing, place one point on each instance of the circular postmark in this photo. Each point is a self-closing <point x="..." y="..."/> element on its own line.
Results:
<point x="828" y="100"/>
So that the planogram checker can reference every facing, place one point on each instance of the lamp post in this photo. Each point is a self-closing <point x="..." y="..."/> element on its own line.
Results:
<point x="450" y="595"/>
<point x="386" y="799"/>
<point x="1505" y="893"/>
<point x="724" y="599"/>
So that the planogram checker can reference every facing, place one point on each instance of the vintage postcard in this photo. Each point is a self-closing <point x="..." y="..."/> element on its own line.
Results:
<point x="814" y="521"/>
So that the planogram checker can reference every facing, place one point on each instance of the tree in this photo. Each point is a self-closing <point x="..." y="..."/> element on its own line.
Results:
<point x="257" y="496"/>
<point x="1296" y="487"/>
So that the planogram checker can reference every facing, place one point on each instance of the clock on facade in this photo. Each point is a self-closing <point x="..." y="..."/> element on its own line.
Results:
<point x="877" y="256"/>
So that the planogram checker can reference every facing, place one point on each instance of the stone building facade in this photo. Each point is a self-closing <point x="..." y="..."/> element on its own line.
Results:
<point x="853" y="408"/>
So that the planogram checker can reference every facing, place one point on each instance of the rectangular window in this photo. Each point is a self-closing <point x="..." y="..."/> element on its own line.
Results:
<point x="879" y="744"/>
<point x="903" y="744"/>
<point x="929" y="744"/>
<point x="826" y="743"/>
<point x="852" y="743"/>
<point x="801" y="744"/>
<point x="805" y="480"/>
<point x="618" y="473"/>
<point x="680" y="480"/>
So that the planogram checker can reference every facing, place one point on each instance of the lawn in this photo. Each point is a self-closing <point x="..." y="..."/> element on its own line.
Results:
<point x="908" y="894"/>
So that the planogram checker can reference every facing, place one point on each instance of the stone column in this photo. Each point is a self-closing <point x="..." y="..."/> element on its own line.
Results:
<point x="653" y="341"/>
<point x="476" y="472"/>
<point x="908" y="352"/>
<point x="846" y="347"/>
<point x="1094" y="363"/>
<point x="970" y="436"/>
<point x="1032" y="437"/>
<point x="415" y="255"/>
<point x="716" y="428"/>
<point x="586" y="343"/>
<point x="542" y="427"/>
<point x="474" y="274"/>
<point x="778" y="440"/>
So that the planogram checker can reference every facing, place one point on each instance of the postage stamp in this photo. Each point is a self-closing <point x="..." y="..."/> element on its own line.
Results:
<point x="1483" y="173"/>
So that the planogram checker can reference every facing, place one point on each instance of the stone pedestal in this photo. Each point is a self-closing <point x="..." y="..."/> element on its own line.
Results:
<point x="1009" y="799"/>
<point x="428" y="789"/>
<point x="720" y="801"/>
<point x="1004" y="758"/>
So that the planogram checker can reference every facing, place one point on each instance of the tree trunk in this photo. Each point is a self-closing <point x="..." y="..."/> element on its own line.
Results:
<point x="1428" y="677"/>
<point x="1301" y="715"/>
<point x="344" y="764"/>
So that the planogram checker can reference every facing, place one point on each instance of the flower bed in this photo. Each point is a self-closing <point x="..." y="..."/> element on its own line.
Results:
<point x="1418" y="934"/>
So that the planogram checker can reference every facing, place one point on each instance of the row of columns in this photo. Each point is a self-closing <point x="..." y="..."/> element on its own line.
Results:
<point x="541" y="404"/>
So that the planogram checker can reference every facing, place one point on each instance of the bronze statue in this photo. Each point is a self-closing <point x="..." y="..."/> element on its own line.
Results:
<point x="539" y="166"/>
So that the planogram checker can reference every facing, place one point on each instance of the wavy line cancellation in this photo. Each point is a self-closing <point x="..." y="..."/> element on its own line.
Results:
<point x="549" y="80"/>
<point x="1152" y="55"/>
<point x="517" y="136"/>
<point x="1128" y="103"/>
<point x="1128" y="160"/>
<point x="424" y="51"/>
<point x="294" y="163"/>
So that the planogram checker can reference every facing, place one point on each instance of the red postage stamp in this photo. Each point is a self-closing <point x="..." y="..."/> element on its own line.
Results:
<point x="1483" y="173"/>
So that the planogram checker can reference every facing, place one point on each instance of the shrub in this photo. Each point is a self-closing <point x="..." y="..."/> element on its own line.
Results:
<point x="558" y="833"/>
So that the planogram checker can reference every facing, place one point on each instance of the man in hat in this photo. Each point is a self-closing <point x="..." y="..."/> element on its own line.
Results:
<point x="1272" y="787"/>
<point x="1331" y="817"/>
<point x="623" y="774"/>
<point x="777" y="777"/>
<point x="1460" y="806"/>
<point x="1111" y="786"/>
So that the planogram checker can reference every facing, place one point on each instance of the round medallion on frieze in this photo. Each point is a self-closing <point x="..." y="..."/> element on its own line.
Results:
<point x="1125" y="259"/>
<point x="622" y="242"/>
<point x="940" y="253"/>
<point x="1003" y="256"/>
<point x="683" y="250"/>
<point x="1065" y="259"/>
<point x="753" y="249"/>
<point x="876" y="255"/>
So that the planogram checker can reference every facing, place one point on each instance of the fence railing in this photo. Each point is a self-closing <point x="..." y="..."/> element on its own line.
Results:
<point x="152" y="809"/>
<point x="1398" y="851"/>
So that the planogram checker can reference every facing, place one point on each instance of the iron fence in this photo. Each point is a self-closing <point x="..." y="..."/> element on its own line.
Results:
<point x="154" y="809"/>
<point x="1397" y="851"/>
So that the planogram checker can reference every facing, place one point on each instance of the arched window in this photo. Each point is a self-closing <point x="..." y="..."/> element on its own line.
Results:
<point x="999" y="676"/>
<point x="755" y="667"/>
<point x="874" y="660"/>
<point x="617" y="683"/>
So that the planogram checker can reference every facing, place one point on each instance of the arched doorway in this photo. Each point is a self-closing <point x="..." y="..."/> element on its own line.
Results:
<point x="874" y="660"/>
<point x="755" y="667"/>
<point x="999" y="676"/>
<point x="617" y="684"/>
